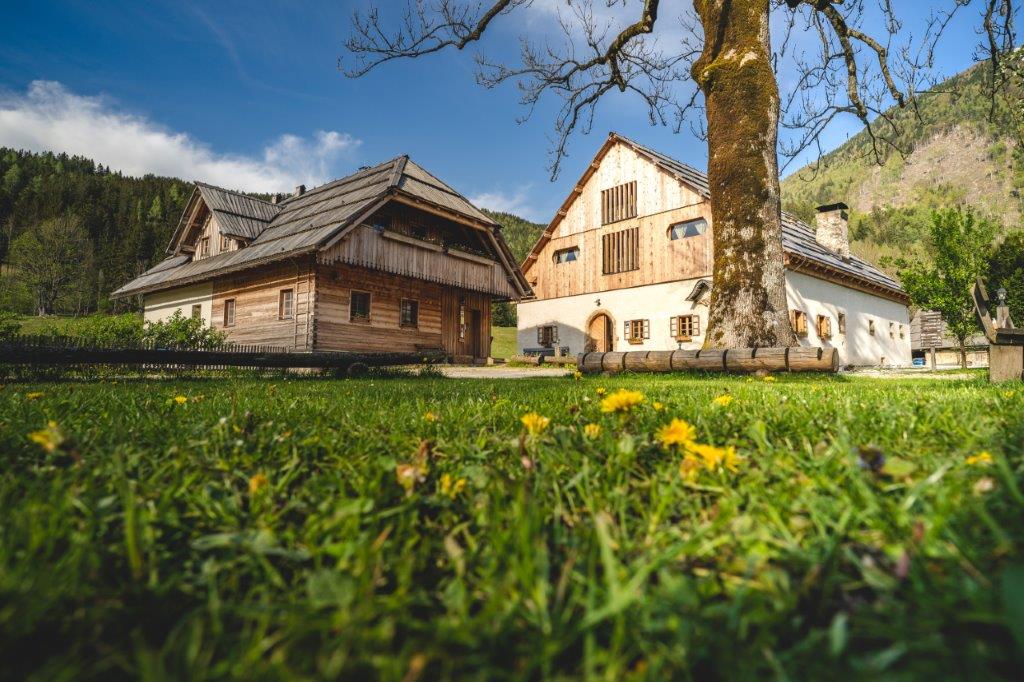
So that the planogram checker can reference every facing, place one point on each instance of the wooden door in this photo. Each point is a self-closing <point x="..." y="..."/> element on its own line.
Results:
<point x="600" y="334"/>
<point x="475" y="334"/>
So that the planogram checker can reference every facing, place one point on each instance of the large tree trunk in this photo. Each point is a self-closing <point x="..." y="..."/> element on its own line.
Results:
<point x="748" y="298"/>
<point x="963" y="352"/>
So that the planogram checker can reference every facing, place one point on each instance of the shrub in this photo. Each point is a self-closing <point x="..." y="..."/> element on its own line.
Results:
<point x="179" y="331"/>
<point x="115" y="330"/>
<point x="10" y="324"/>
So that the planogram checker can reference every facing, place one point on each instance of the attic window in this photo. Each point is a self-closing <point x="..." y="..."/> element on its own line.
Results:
<point x="688" y="229"/>
<point x="225" y="243"/>
<point x="204" y="247"/>
<point x="569" y="255"/>
<point x="618" y="203"/>
<point x="621" y="251"/>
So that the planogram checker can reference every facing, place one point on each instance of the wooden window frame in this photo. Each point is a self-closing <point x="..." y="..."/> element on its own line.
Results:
<point x="225" y="243"/>
<point x="684" y="327"/>
<point x="798" y="320"/>
<point x="415" y="323"/>
<point x="547" y="335"/>
<point x="618" y="203"/>
<point x="871" y="327"/>
<point x="636" y="331"/>
<point x="841" y="323"/>
<point x="229" y="305"/>
<point x="892" y="330"/>
<point x="203" y="248"/>
<point x="282" y="313"/>
<point x="903" y="333"/>
<point x="620" y="251"/>
<point x="197" y="311"/>
<point x="687" y="223"/>
<point x="359" y="319"/>
<point x="823" y="325"/>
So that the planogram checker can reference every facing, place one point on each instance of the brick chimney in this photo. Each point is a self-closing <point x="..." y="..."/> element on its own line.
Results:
<point x="834" y="229"/>
<point x="299" y="191"/>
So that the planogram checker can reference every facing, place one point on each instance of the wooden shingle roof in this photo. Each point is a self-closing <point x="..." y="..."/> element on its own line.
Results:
<point x="314" y="220"/>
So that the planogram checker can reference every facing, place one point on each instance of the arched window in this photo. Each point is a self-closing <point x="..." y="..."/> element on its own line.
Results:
<point x="569" y="255"/>
<point x="687" y="229"/>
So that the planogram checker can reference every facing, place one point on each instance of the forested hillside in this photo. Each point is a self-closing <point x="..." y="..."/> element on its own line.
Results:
<point x="125" y="224"/>
<point x="128" y="221"/>
<point x="958" y="155"/>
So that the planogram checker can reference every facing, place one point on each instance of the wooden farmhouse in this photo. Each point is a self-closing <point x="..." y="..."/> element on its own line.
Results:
<point x="387" y="259"/>
<point x="626" y="265"/>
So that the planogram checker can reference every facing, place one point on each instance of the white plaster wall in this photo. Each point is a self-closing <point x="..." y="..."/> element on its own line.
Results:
<point x="161" y="305"/>
<point x="857" y="347"/>
<point x="660" y="302"/>
<point x="656" y="303"/>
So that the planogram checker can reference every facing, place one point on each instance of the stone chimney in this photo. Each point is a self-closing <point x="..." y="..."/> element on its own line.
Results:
<point x="299" y="191"/>
<point x="276" y="199"/>
<point x="834" y="229"/>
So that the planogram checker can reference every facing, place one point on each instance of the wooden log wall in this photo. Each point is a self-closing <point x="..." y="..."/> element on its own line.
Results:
<point x="438" y="324"/>
<point x="257" y="295"/>
<point x="740" y="360"/>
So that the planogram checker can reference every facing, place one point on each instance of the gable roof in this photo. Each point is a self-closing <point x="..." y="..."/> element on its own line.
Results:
<point x="314" y="220"/>
<point x="799" y="243"/>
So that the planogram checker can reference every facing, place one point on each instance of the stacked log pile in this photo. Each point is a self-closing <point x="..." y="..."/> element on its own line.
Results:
<point x="740" y="360"/>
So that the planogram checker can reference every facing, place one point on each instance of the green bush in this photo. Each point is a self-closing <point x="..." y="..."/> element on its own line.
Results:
<point x="10" y="324"/>
<point x="123" y="329"/>
<point x="182" y="332"/>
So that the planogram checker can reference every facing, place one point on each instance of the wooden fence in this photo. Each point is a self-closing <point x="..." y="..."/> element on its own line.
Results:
<point x="68" y="351"/>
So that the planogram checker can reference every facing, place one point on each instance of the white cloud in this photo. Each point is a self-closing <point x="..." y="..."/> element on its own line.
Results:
<point x="516" y="204"/>
<point x="49" y="117"/>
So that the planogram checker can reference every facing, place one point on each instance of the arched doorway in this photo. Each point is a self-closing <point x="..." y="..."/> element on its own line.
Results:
<point x="599" y="334"/>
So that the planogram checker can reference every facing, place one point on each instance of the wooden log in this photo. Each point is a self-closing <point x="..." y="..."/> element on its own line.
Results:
<point x="756" y="359"/>
<point x="658" y="361"/>
<point x="635" y="361"/>
<point x="810" y="359"/>
<point x="590" y="363"/>
<point x="527" y="359"/>
<point x="613" y="362"/>
<point x="710" y="360"/>
<point x="683" y="360"/>
<point x="560" y="360"/>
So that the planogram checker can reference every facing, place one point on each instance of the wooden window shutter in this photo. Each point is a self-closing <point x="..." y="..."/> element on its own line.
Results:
<point x="792" y="320"/>
<point x="647" y="329"/>
<point x="625" y="331"/>
<point x="673" y="327"/>
<point x="540" y="336"/>
<point x="695" y="322"/>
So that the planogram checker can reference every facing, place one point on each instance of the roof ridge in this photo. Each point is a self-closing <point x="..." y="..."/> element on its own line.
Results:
<point x="445" y="188"/>
<point x="332" y="183"/>
<point x="232" y="191"/>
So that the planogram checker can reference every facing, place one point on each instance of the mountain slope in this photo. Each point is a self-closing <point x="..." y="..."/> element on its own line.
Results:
<point x="958" y="155"/>
<point x="520" y="233"/>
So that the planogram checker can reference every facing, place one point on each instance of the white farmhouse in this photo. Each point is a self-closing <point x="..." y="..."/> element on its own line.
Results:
<point x="626" y="265"/>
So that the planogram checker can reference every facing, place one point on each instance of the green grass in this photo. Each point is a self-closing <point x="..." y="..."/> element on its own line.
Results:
<point x="259" y="529"/>
<point x="504" y="343"/>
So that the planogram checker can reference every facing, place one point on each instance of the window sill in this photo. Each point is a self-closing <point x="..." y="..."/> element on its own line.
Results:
<point x="409" y="326"/>
<point x="635" y="342"/>
<point x="684" y="339"/>
<point x="359" y="320"/>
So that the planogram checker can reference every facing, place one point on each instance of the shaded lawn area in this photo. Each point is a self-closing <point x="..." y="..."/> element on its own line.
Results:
<point x="379" y="528"/>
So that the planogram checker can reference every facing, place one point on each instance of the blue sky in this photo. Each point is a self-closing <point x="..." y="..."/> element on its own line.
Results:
<point x="248" y="95"/>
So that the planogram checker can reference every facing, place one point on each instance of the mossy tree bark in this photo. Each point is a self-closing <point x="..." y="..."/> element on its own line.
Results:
<point x="748" y="299"/>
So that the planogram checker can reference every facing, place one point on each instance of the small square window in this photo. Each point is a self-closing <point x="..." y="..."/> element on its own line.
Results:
<point x="636" y="331"/>
<point x="684" y="327"/>
<point x="824" y="327"/>
<point x="570" y="255"/>
<point x="197" y="312"/>
<point x="409" y="314"/>
<point x="842" y="323"/>
<point x="892" y="330"/>
<point x="229" y="312"/>
<point x="547" y="336"/>
<point x="286" y="305"/>
<point x="204" y="247"/>
<point x="871" y="327"/>
<point x="359" y="307"/>
<point x="903" y="333"/>
<point x="798" y="319"/>
<point x="225" y="243"/>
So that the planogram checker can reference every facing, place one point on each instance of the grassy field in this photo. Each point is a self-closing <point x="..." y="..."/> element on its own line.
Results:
<point x="504" y="343"/>
<point x="404" y="528"/>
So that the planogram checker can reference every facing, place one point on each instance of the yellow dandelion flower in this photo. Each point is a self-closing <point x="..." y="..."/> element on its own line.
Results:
<point x="180" y="399"/>
<point x="723" y="400"/>
<point x="676" y="432"/>
<point x="769" y="379"/>
<point x="709" y="454"/>
<point x="622" y="401"/>
<point x="658" y="407"/>
<point x="48" y="439"/>
<point x="1009" y="394"/>
<point x="258" y="483"/>
<point x="689" y="468"/>
<point x="592" y="431"/>
<point x="36" y="395"/>
<point x="430" y="417"/>
<point x="535" y="423"/>
<point x="600" y="390"/>
<point x="731" y="459"/>
<point x="577" y="375"/>
<point x="452" y="487"/>
<point x="982" y="459"/>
